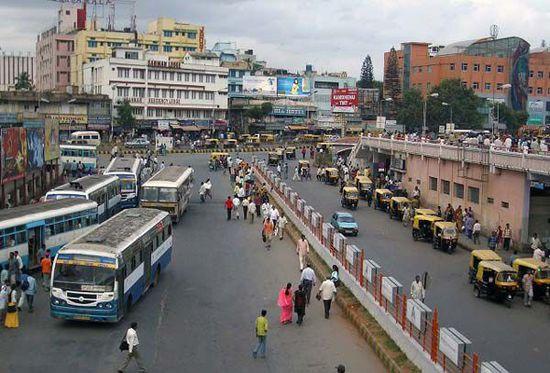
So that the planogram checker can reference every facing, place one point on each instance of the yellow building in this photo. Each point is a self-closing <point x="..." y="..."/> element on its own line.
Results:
<point x="164" y="35"/>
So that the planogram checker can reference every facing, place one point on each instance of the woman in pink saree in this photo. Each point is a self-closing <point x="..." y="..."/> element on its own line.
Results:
<point x="284" y="301"/>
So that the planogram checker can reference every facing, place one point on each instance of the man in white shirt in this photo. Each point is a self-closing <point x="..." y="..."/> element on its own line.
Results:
<point x="476" y="231"/>
<point x="281" y="224"/>
<point x="133" y="342"/>
<point x="236" y="204"/>
<point x="274" y="215"/>
<point x="417" y="289"/>
<point x="302" y="249"/>
<point x="538" y="254"/>
<point x="308" y="280"/>
<point x="327" y="291"/>
<point x="535" y="242"/>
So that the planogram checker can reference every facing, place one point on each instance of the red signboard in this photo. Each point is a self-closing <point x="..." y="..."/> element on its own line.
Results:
<point x="344" y="100"/>
<point x="14" y="153"/>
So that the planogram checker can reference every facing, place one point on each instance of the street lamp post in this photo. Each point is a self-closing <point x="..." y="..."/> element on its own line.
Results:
<point x="424" y="128"/>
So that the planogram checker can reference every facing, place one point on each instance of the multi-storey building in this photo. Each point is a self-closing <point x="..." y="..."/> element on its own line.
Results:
<point x="158" y="88"/>
<point x="538" y="104"/>
<point x="11" y="66"/>
<point x="53" y="61"/>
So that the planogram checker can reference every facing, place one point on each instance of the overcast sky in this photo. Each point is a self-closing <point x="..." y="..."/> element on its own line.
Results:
<point x="333" y="35"/>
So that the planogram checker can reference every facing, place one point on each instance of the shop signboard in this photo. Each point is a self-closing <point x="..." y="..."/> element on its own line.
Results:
<point x="51" y="140"/>
<point x="70" y="122"/>
<point x="289" y="111"/>
<point x="35" y="148"/>
<point x="14" y="153"/>
<point x="8" y="118"/>
<point x="99" y="122"/>
<point x="292" y="86"/>
<point x="259" y="85"/>
<point x="344" y="100"/>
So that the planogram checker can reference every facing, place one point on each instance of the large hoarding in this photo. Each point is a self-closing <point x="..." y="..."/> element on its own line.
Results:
<point x="292" y="86"/>
<point x="259" y="85"/>
<point x="344" y="100"/>
<point x="35" y="148"/>
<point x="14" y="154"/>
<point x="51" y="140"/>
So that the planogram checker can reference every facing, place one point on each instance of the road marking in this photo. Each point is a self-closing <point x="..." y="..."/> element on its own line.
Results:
<point x="159" y="325"/>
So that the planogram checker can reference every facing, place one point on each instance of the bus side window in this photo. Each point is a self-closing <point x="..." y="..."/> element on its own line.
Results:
<point x="159" y="240"/>
<point x="134" y="265"/>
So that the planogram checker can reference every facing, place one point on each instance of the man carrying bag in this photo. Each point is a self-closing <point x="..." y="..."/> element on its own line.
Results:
<point x="130" y="343"/>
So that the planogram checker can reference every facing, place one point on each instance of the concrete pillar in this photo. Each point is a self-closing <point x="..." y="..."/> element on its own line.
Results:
<point x="526" y="190"/>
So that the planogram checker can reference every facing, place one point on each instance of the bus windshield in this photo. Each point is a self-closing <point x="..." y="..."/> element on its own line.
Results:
<point x="127" y="185"/>
<point x="72" y="276"/>
<point x="53" y="197"/>
<point x="159" y="194"/>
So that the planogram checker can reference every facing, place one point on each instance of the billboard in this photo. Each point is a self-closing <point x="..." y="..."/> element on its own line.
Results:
<point x="344" y="100"/>
<point x="259" y="85"/>
<point x="292" y="86"/>
<point x="290" y="111"/>
<point x="535" y="109"/>
<point x="70" y="122"/>
<point x="14" y="154"/>
<point x="35" y="148"/>
<point x="51" y="140"/>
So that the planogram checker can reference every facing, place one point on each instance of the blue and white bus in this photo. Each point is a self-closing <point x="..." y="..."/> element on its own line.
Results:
<point x="102" y="274"/>
<point x="73" y="153"/>
<point x="103" y="189"/>
<point x="128" y="171"/>
<point x="28" y="228"/>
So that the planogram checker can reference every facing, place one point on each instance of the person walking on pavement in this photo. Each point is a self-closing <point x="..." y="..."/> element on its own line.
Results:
<point x="300" y="304"/>
<point x="4" y="294"/>
<point x="202" y="192"/>
<point x="28" y="286"/>
<point x="417" y="289"/>
<point x="308" y="280"/>
<point x="327" y="291"/>
<point x="476" y="231"/>
<point x="281" y="224"/>
<point x="527" y="282"/>
<point x="251" y="210"/>
<point x="261" y="334"/>
<point x="538" y="254"/>
<point x="245" y="205"/>
<point x="267" y="231"/>
<point x="284" y="301"/>
<point x="302" y="249"/>
<point x="303" y="152"/>
<point x="535" y="242"/>
<point x="507" y="236"/>
<point x="46" y="266"/>
<point x="12" y="316"/>
<point x="229" y="207"/>
<point x="131" y="338"/>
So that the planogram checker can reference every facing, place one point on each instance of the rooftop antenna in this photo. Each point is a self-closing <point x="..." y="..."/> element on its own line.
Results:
<point x="493" y="30"/>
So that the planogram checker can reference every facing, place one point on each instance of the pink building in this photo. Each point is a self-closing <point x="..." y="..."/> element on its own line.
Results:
<point x="53" y="60"/>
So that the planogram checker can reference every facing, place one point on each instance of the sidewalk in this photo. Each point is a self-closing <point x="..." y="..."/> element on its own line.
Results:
<point x="468" y="245"/>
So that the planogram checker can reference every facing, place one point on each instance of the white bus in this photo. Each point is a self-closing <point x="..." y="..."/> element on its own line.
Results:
<point x="47" y="225"/>
<point x="71" y="154"/>
<point x="103" y="189"/>
<point x="168" y="190"/>
<point x="128" y="171"/>
<point x="102" y="274"/>
<point x="89" y="137"/>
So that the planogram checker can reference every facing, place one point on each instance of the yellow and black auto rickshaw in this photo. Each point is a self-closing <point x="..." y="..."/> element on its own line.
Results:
<point x="211" y="143"/>
<point x="423" y="227"/>
<point x="541" y="276"/>
<point x="331" y="176"/>
<point x="303" y="164"/>
<point x="396" y="207"/>
<point x="230" y="143"/>
<point x="273" y="158"/>
<point x="290" y="152"/>
<point x="421" y="211"/>
<point x="496" y="280"/>
<point x="476" y="256"/>
<point x="445" y="236"/>
<point x="350" y="197"/>
<point x="382" y="199"/>
<point x="363" y="185"/>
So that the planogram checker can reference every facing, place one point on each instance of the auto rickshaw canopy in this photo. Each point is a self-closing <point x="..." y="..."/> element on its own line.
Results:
<point x="429" y="218"/>
<point x="384" y="191"/>
<point x="216" y="155"/>
<point x="425" y="212"/>
<point x="303" y="163"/>
<point x="401" y="200"/>
<point x="350" y="190"/>
<point x="486" y="255"/>
<point x="332" y="171"/>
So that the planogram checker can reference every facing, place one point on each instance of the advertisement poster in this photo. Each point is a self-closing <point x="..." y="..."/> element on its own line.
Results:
<point x="292" y="86"/>
<point x="259" y="85"/>
<point x="14" y="154"/>
<point x="51" y="140"/>
<point x="344" y="100"/>
<point x="35" y="148"/>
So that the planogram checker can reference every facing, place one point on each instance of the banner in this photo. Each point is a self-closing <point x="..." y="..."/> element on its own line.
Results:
<point x="35" y="148"/>
<point x="70" y="122"/>
<point x="344" y="100"/>
<point x="292" y="86"/>
<point x="259" y="85"/>
<point x="51" y="140"/>
<point x="14" y="154"/>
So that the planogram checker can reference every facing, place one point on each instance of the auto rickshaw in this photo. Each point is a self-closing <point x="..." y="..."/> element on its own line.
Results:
<point x="382" y="198"/>
<point x="363" y="185"/>
<point x="350" y="197"/>
<point x="477" y="256"/>
<point x="253" y="140"/>
<point x="541" y="276"/>
<point x="445" y="236"/>
<point x="331" y="176"/>
<point x="423" y="227"/>
<point x="211" y="143"/>
<point x="396" y="207"/>
<point x="496" y="280"/>
<point x="230" y="143"/>
<point x="425" y="212"/>
<point x="273" y="158"/>
<point x="244" y="137"/>
<point x="216" y="160"/>
<point x="303" y="164"/>
<point x="290" y="152"/>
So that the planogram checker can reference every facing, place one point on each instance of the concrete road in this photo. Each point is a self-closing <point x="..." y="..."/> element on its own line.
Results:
<point x="516" y="337"/>
<point x="201" y="316"/>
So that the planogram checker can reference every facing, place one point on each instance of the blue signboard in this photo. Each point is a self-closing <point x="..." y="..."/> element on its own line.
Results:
<point x="292" y="86"/>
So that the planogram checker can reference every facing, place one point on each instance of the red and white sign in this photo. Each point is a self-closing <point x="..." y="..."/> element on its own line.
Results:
<point x="344" y="100"/>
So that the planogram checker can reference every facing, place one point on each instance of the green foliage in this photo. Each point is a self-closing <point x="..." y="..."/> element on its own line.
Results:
<point x="267" y="108"/>
<point x="512" y="118"/>
<point x="410" y="110"/>
<point x="23" y="82"/>
<point x="125" y="115"/>
<point x="258" y="112"/>
<point x="367" y="75"/>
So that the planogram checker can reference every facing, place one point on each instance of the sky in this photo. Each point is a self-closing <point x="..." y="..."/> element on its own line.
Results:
<point x="333" y="35"/>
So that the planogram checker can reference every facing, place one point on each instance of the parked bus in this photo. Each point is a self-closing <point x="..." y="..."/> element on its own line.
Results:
<point x="103" y="189"/>
<point x="168" y="190"/>
<point x="71" y="154"/>
<point x="47" y="225"/>
<point x="128" y="171"/>
<point x="102" y="274"/>
<point x="88" y="137"/>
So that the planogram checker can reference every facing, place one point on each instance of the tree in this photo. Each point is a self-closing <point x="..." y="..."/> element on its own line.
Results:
<point x="125" y="115"/>
<point x="367" y="75"/>
<point x="258" y="112"/>
<point x="410" y="111"/>
<point x="23" y="82"/>
<point x="512" y="118"/>
<point x="392" y="83"/>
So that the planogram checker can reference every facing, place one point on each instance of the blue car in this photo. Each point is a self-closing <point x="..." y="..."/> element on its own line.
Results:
<point x="344" y="223"/>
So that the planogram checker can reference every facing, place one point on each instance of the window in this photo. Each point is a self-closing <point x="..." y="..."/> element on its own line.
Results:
<point x="500" y="68"/>
<point x="459" y="190"/>
<point x="92" y="43"/>
<point x="123" y="91"/>
<point x="499" y="86"/>
<point x="476" y="67"/>
<point x="172" y="76"/>
<point x="419" y="69"/>
<point x="531" y="73"/>
<point x="201" y="78"/>
<point x="164" y="93"/>
<point x="464" y="83"/>
<point x="504" y="204"/>
<point x="490" y="200"/>
<point x="167" y="48"/>
<point x="452" y="66"/>
<point x="539" y="90"/>
<point x="164" y="75"/>
<point x="138" y="92"/>
<point x="487" y="86"/>
<point x="433" y="183"/>
<point x="473" y="194"/>
<point x="171" y="93"/>
<point x="168" y="33"/>
<point x="154" y="47"/>
<point x="123" y="72"/>
<point x="192" y="35"/>
<point x="446" y="186"/>
<point x="179" y="77"/>
<point x="464" y="66"/>
<point x="488" y="68"/>
<point x="193" y="77"/>
<point x="139" y="73"/>
<point x="131" y="55"/>
<point x="186" y="77"/>
<point x="475" y="85"/>
<point x="530" y="90"/>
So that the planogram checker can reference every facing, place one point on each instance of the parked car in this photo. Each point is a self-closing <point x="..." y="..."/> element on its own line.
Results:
<point x="344" y="223"/>
<point x="140" y="142"/>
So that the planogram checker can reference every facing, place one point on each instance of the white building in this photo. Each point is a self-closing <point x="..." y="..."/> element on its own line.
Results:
<point x="157" y="88"/>
<point x="11" y="66"/>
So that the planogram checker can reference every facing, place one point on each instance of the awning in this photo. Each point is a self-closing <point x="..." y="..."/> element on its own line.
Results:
<point x="187" y="128"/>
<point x="298" y="128"/>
